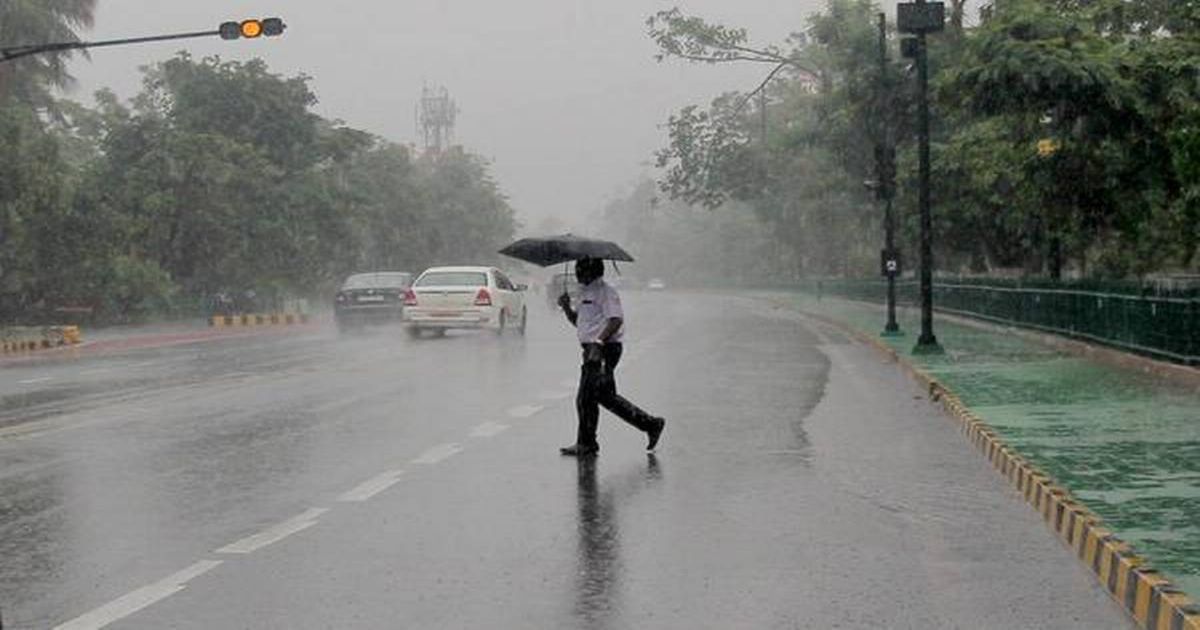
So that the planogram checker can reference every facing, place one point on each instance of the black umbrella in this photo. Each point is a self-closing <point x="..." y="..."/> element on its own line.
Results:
<point x="551" y="250"/>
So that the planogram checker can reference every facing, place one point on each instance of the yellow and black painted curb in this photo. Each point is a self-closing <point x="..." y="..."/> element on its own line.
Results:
<point x="1153" y="602"/>
<point x="41" y="339"/>
<point x="258" y="319"/>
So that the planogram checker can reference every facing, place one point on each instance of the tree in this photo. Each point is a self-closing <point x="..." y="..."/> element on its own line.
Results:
<point x="31" y="79"/>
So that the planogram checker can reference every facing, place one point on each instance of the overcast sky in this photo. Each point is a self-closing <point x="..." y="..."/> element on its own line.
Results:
<point x="563" y="96"/>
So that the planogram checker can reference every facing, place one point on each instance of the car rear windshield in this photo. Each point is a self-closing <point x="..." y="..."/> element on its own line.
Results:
<point x="378" y="281"/>
<point x="453" y="279"/>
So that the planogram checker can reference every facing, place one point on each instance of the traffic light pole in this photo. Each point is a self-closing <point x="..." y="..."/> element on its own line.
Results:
<point x="927" y="342"/>
<point x="16" y="52"/>
<point x="920" y="18"/>
<point x="269" y="27"/>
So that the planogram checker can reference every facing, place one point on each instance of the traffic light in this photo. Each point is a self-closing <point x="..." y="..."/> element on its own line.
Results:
<point x="252" y="29"/>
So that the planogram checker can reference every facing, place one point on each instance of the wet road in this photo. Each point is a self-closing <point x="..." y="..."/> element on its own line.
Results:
<point x="304" y="481"/>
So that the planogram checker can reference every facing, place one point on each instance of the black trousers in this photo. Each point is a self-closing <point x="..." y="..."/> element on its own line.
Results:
<point x="598" y="388"/>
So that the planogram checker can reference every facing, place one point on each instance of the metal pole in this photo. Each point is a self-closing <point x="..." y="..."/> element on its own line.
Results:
<point x="16" y="52"/>
<point x="887" y="176"/>
<point x="927" y="343"/>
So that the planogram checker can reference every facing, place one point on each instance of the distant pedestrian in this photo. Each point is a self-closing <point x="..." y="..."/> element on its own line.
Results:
<point x="599" y="322"/>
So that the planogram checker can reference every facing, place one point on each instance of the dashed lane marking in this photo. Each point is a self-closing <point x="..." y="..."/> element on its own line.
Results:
<point x="438" y="453"/>
<point x="488" y="429"/>
<point x="95" y="371"/>
<point x="275" y="533"/>
<point x="40" y="379"/>
<point x="136" y="600"/>
<point x="372" y="486"/>
<point x="524" y="411"/>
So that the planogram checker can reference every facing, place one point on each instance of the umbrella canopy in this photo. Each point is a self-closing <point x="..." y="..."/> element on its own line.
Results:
<point x="551" y="250"/>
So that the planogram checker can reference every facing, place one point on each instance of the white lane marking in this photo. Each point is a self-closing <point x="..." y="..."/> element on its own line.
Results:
<point x="95" y="371"/>
<point x="136" y="600"/>
<point x="40" y="379"/>
<point x="488" y="429"/>
<point x="275" y="533"/>
<point x="334" y="405"/>
<point x="438" y="453"/>
<point x="524" y="411"/>
<point x="372" y="486"/>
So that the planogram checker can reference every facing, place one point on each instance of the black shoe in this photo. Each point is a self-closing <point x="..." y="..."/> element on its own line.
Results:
<point x="579" y="450"/>
<point x="655" y="432"/>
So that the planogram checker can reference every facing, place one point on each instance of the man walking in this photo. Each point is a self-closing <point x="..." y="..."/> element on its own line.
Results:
<point x="598" y="322"/>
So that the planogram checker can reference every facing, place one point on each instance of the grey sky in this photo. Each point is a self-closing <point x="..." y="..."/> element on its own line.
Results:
<point x="563" y="95"/>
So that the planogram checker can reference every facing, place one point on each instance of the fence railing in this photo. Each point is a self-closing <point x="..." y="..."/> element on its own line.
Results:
<point x="1162" y="326"/>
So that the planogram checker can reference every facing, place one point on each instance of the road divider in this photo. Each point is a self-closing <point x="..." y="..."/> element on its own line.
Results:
<point x="32" y="338"/>
<point x="1148" y="596"/>
<point x="258" y="319"/>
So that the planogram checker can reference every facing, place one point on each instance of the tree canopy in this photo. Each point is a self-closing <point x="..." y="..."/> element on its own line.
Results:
<point x="1110" y="85"/>
<point x="218" y="177"/>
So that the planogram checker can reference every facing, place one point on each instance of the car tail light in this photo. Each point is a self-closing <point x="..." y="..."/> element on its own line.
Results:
<point x="410" y="297"/>
<point x="483" y="298"/>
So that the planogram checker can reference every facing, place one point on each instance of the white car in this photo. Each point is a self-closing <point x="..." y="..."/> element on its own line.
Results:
<point x="464" y="297"/>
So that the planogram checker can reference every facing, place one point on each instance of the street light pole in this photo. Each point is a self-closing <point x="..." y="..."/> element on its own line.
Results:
<point x="886" y="172"/>
<point x="921" y="18"/>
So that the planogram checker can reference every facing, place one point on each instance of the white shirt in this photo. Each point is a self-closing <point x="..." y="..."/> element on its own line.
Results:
<point x="598" y="303"/>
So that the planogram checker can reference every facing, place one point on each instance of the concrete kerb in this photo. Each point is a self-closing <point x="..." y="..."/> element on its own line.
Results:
<point x="44" y="338"/>
<point x="1148" y="597"/>
<point x="258" y="319"/>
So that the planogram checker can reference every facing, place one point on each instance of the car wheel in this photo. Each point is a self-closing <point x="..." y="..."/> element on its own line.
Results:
<point x="524" y="320"/>
<point x="413" y="332"/>
<point x="501" y="325"/>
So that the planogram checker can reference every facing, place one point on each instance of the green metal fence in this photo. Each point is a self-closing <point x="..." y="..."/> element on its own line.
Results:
<point x="1162" y="324"/>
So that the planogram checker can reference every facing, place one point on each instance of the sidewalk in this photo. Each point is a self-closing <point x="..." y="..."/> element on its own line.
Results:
<point x="1125" y="443"/>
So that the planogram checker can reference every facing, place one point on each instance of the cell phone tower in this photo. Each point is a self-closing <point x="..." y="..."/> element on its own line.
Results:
<point x="435" y="118"/>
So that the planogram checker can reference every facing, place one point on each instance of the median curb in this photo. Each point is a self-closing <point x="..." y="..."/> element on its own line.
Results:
<point x="258" y="319"/>
<point x="47" y="338"/>
<point x="1144" y="593"/>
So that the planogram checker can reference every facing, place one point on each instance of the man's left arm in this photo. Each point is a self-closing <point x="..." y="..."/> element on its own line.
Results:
<point x="610" y="328"/>
<point x="614" y="315"/>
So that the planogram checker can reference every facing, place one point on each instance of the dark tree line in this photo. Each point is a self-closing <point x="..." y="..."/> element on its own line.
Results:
<point x="217" y="177"/>
<point x="1112" y="86"/>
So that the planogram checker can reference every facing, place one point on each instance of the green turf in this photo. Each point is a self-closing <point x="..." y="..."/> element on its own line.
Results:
<point x="1124" y="442"/>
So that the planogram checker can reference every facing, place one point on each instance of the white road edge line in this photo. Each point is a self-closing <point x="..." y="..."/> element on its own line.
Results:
<point x="438" y="453"/>
<point x="488" y="429"/>
<point x="275" y="533"/>
<point x="40" y="379"/>
<point x="372" y="486"/>
<point x="136" y="600"/>
<point x="524" y="411"/>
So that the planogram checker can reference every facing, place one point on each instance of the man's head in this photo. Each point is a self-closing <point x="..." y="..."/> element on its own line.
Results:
<point x="588" y="270"/>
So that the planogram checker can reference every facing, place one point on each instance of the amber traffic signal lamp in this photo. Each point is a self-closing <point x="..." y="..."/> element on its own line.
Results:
<point x="252" y="29"/>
